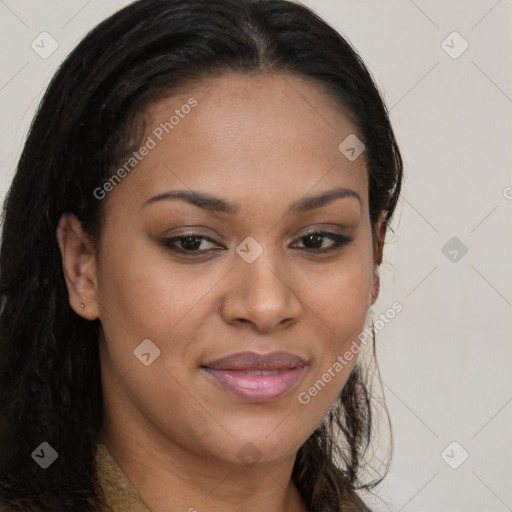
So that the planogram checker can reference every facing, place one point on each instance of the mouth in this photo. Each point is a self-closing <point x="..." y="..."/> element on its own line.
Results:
<point x="257" y="377"/>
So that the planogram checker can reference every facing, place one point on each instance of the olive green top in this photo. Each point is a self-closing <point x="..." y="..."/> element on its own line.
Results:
<point x="119" y="493"/>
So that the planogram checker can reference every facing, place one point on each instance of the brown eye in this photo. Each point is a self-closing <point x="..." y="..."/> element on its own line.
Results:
<point x="187" y="244"/>
<point x="315" y="239"/>
<point x="190" y="244"/>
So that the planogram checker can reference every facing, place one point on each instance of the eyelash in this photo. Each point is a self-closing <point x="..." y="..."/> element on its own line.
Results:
<point x="339" y="242"/>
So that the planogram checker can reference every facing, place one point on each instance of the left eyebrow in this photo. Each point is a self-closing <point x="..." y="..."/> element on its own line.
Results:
<point x="216" y="204"/>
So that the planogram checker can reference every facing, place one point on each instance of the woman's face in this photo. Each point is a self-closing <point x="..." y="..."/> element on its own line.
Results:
<point x="247" y="278"/>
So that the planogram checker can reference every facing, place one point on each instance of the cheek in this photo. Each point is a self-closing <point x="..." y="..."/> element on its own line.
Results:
<point x="349" y="306"/>
<point x="143" y="295"/>
<point x="341" y="296"/>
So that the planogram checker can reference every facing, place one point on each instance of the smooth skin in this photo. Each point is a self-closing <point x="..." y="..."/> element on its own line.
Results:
<point x="261" y="142"/>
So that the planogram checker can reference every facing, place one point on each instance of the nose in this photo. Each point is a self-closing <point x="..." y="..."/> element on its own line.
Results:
<point x="262" y="294"/>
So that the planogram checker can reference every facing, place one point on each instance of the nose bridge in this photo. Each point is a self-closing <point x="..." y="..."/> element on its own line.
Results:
<point x="260" y="272"/>
<point x="264" y="295"/>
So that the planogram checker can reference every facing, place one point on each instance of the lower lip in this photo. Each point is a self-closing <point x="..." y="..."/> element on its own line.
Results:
<point x="257" y="388"/>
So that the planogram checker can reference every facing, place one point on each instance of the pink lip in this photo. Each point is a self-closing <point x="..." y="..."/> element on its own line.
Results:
<point x="241" y="374"/>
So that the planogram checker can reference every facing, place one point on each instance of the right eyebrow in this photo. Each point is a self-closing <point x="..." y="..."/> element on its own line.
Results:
<point x="217" y="204"/>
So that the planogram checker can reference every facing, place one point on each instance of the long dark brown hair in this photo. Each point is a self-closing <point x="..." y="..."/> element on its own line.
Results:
<point x="49" y="361"/>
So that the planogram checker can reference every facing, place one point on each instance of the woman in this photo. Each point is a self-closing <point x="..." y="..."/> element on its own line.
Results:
<point x="190" y="249"/>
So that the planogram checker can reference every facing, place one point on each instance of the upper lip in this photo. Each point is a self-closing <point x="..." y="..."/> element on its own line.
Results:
<point x="253" y="361"/>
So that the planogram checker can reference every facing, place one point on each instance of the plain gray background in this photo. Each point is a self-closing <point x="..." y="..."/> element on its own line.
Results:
<point x="445" y="358"/>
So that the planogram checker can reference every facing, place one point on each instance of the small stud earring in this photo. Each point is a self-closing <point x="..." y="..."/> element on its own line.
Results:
<point x="82" y="305"/>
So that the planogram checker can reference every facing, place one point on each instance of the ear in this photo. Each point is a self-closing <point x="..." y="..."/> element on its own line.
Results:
<point x="79" y="266"/>
<point x="378" y="247"/>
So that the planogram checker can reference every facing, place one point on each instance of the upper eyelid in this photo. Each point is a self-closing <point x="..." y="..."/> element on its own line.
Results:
<point x="209" y="238"/>
<point x="326" y="234"/>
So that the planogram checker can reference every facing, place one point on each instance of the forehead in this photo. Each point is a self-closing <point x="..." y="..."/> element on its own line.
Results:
<point x="247" y="136"/>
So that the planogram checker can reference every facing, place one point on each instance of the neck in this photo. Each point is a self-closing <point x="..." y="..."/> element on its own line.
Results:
<point x="169" y="477"/>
